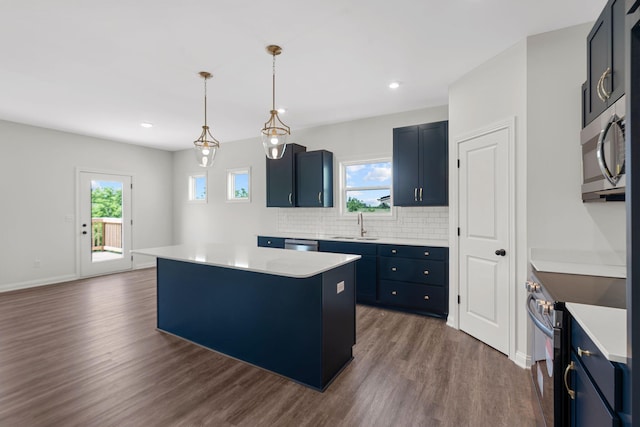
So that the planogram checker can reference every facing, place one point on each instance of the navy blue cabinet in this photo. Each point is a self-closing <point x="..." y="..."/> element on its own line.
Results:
<point x="414" y="277"/>
<point x="314" y="179"/>
<point x="596" y="383"/>
<point x="281" y="184"/>
<point x="605" y="61"/>
<point x="420" y="165"/>
<point x="366" y="267"/>
<point x="270" y="242"/>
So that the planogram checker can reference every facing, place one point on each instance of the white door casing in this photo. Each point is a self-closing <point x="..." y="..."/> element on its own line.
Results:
<point x="91" y="263"/>
<point x="485" y="212"/>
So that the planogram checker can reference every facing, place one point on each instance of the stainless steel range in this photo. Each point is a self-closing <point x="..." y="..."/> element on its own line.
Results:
<point x="548" y="291"/>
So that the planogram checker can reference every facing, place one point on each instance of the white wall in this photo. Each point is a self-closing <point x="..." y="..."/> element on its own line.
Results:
<point x="492" y="93"/>
<point x="557" y="218"/>
<point x="221" y="221"/>
<point x="38" y="187"/>
<point x="537" y="81"/>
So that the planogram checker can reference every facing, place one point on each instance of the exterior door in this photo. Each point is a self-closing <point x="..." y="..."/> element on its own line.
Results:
<point x="105" y="223"/>
<point x="484" y="238"/>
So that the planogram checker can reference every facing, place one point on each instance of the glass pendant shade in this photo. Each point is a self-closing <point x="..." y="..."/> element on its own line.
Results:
<point x="274" y="133"/>
<point x="206" y="146"/>
<point x="205" y="149"/>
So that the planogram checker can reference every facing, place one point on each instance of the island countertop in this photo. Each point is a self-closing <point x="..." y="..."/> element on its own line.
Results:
<point x="282" y="262"/>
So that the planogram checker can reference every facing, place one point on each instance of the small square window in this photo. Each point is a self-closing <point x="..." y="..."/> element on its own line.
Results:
<point x="239" y="185"/>
<point x="198" y="188"/>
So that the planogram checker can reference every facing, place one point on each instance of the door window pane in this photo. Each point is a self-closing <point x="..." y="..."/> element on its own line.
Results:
<point x="106" y="220"/>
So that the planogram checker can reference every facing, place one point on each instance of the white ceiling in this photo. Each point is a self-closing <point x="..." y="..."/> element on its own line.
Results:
<point x="101" y="68"/>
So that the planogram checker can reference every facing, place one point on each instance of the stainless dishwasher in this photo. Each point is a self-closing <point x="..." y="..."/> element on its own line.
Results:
<point x="301" y="245"/>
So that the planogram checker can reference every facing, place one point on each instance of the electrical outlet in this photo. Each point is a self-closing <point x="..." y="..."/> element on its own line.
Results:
<point x="69" y="218"/>
<point x="340" y="287"/>
<point x="36" y="263"/>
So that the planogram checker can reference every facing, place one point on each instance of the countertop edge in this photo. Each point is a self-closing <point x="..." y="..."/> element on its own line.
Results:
<point x="368" y="240"/>
<point x="594" y="318"/>
<point x="349" y="258"/>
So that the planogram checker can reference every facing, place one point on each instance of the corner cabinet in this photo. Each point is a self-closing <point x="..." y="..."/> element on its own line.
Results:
<point x="314" y="179"/>
<point x="420" y="165"/>
<point x="605" y="61"/>
<point x="281" y="175"/>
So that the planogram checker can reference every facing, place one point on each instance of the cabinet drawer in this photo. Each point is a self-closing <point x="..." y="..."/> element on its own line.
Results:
<point x="270" y="242"/>
<point x="606" y="374"/>
<point x="419" y="297"/>
<point x="412" y="270"/>
<point x="347" y="247"/>
<point x="588" y="409"/>
<point x="416" y="252"/>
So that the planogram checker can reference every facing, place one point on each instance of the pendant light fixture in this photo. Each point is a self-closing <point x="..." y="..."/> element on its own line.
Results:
<point x="274" y="133"/>
<point x="206" y="146"/>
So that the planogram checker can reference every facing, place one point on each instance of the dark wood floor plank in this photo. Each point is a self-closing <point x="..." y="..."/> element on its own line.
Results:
<point x="87" y="353"/>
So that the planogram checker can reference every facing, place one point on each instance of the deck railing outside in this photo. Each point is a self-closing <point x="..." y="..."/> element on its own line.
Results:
<point x="107" y="234"/>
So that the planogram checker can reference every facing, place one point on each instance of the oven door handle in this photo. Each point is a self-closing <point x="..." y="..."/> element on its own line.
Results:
<point x="532" y="314"/>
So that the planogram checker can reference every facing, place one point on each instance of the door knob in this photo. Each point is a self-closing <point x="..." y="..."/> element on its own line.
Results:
<point x="501" y="252"/>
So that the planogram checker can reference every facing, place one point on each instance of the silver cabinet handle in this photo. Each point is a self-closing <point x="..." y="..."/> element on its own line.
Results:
<point x="426" y="297"/>
<point x="415" y="194"/>
<point x="394" y="293"/>
<point x="599" y="89"/>
<point x="606" y="74"/>
<point x="582" y="352"/>
<point x="570" y="367"/>
<point x="420" y="193"/>
<point x="320" y="197"/>
<point x="290" y="199"/>
<point x="393" y="251"/>
<point x="426" y="253"/>
<point x="394" y="269"/>
<point x="426" y="272"/>
<point x="268" y="242"/>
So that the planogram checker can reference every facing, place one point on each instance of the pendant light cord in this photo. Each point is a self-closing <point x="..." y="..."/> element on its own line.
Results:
<point x="205" y="101"/>
<point x="273" y="94"/>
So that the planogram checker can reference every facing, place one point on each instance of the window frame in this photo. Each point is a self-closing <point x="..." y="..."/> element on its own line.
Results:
<point x="344" y="213"/>
<point x="231" y="174"/>
<point x="191" y="189"/>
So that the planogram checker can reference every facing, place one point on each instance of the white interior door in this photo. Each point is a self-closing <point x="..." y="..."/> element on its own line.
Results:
<point x="484" y="235"/>
<point x="105" y="223"/>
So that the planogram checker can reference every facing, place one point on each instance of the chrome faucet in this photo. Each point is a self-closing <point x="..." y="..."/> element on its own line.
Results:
<point x="361" y="223"/>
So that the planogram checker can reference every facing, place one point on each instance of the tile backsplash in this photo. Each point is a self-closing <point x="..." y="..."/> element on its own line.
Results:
<point x="409" y="222"/>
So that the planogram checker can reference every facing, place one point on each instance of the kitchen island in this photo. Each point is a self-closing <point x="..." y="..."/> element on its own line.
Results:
<point x="292" y="313"/>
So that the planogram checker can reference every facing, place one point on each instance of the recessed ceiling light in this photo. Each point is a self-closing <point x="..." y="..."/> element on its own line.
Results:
<point x="281" y="111"/>
<point x="146" y="125"/>
<point x="394" y="85"/>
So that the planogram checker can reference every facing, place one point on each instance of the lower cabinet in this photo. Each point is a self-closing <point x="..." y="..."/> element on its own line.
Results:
<point x="271" y="242"/>
<point x="596" y="383"/>
<point x="403" y="277"/>
<point x="414" y="277"/>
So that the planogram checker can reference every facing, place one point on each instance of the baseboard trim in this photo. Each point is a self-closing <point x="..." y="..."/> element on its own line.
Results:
<point x="38" y="282"/>
<point x="151" y="264"/>
<point x="523" y="360"/>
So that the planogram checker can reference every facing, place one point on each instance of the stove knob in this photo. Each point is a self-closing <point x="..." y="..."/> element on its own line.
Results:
<point x="532" y="286"/>
<point x="544" y="307"/>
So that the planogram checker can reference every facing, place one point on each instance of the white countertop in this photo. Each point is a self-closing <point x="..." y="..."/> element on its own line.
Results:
<point x="366" y="239"/>
<point x="278" y="262"/>
<point x="605" y="264"/>
<point x="607" y="328"/>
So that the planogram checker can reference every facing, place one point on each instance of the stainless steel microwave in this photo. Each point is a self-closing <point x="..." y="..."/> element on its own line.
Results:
<point x="603" y="155"/>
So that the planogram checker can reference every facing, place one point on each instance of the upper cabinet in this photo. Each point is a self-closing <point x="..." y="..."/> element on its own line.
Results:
<point x="281" y="175"/>
<point x="605" y="61"/>
<point x="420" y="165"/>
<point x="314" y="179"/>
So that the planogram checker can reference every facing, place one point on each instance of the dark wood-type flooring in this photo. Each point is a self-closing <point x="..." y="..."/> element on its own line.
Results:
<point x="86" y="353"/>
